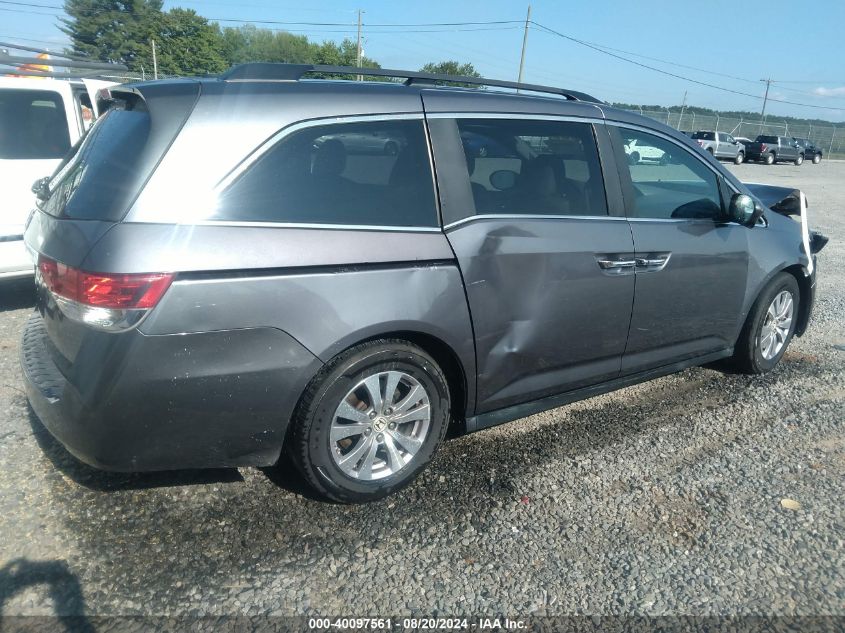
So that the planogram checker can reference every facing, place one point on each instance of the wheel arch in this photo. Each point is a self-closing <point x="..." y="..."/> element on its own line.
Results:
<point x="458" y="367"/>
<point x="448" y="360"/>
<point x="805" y="288"/>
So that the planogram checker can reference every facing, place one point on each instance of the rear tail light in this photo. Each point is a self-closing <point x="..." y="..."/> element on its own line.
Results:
<point x="111" y="302"/>
<point x="763" y="147"/>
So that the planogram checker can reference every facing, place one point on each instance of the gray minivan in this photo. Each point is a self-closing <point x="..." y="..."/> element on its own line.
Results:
<point x="232" y="267"/>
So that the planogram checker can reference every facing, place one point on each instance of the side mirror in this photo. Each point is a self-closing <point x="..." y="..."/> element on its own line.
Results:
<point x="744" y="210"/>
<point x="40" y="188"/>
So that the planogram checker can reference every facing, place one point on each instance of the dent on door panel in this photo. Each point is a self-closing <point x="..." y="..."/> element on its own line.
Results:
<point x="547" y="318"/>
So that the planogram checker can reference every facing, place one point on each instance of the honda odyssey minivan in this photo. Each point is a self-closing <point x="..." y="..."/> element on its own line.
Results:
<point x="226" y="271"/>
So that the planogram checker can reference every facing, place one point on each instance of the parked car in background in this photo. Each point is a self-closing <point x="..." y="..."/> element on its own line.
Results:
<point x="743" y="139"/>
<point x="811" y="151"/>
<point x="639" y="152"/>
<point x="774" y="149"/>
<point x="236" y="284"/>
<point x="369" y="143"/>
<point x="720" y="145"/>
<point x="40" y="120"/>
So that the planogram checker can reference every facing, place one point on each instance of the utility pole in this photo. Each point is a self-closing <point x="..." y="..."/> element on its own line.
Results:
<point x="765" y="99"/>
<point x="683" y="107"/>
<point x="524" y="43"/>
<point x="155" y="62"/>
<point x="360" y="77"/>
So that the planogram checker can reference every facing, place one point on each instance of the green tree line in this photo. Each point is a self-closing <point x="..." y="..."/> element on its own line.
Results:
<point x="186" y="43"/>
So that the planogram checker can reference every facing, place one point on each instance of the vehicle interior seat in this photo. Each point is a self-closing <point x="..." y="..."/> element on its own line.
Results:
<point x="538" y="188"/>
<point x="404" y="183"/>
<point x="480" y="195"/>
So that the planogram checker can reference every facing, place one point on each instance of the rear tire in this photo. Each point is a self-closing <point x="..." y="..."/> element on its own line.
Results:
<point x="349" y="439"/>
<point x="770" y="158"/>
<point x="753" y="353"/>
<point x="800" y="159"/>
<point x="740" y="158"/>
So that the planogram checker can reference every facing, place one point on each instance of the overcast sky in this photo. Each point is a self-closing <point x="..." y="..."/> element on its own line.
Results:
<point x="730" y="44"/>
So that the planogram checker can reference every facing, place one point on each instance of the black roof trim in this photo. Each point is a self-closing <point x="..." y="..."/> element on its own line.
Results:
<point x="262" y="71"/>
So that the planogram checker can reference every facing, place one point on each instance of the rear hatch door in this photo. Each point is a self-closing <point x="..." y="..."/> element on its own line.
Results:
<point x="95" y="186"/>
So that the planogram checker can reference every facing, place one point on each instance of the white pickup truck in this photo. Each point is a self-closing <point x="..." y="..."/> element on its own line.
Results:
<point x="40" y="120"/>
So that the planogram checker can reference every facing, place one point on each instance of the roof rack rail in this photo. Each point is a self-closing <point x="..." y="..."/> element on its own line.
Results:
<point x="263" y="71"/>
<point x="31" y="66"/>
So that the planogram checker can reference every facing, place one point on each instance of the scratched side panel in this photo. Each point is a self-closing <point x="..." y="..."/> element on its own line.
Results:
<point x="329" y="311"/>
<point x="547" y="318"/>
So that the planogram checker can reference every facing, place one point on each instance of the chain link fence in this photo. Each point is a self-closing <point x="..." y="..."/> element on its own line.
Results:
<point x="830" y="138"/>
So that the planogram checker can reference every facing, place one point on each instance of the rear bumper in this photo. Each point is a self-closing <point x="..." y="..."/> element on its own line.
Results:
<point x="205" y="400"/>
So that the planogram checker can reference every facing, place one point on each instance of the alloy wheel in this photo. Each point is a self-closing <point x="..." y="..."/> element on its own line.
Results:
<point x="380" y="425"/>
<point x="776" y="325"/>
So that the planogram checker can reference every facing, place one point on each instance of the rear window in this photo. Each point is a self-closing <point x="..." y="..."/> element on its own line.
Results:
<point x="103" y="175"/>
<point x="374" y="173"/>
<point x="533" y="167"/>
<point x="704" y="136"/>
<point x="768" y="139"/>
<point x="33" y="125"/>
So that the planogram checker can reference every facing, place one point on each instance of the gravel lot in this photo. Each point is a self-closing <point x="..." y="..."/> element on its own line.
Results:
<point x="664" y="498"/>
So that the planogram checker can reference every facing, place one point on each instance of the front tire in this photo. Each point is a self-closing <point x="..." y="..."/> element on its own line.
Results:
<point x="769" y="327"/>
<point x="740" y="157"/>
<point x="800" y="159"/>
<point x="370" y="421"/>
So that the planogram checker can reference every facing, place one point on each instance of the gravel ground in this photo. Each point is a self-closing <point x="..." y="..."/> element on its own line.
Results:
<point x="664" y="498"/>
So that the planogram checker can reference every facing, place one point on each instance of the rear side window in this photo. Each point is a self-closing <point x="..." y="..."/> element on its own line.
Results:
<point x="533" y="167"/>
<point x="704" y="136"/>
<point x="33" y="125"/>
<point x="768" y="139"/>
<point x="374" y="173"/>
<point x="99" y="181"/>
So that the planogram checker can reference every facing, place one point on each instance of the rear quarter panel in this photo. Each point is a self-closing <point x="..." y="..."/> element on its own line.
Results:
<point x="328" y="289"/>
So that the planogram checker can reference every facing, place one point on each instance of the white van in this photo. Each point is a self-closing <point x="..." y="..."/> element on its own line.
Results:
<point x="40" y="120"/>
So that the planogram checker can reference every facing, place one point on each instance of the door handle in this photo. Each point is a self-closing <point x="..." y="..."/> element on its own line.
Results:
<point x="654" y="263"/>
<point x="643" y="262"/>
<point x="616" y="264"/>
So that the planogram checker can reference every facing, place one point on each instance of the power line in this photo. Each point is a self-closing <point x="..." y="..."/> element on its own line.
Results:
<point x="675" y="75"/>
<point x="30" y="4"/>
<point x="710" y="72"/>
<point x="284" y="22"/>
<point x="28" y="12"/>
